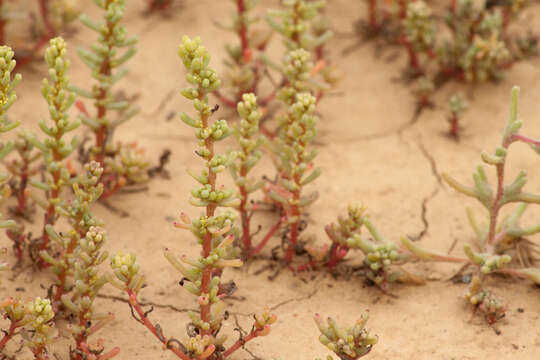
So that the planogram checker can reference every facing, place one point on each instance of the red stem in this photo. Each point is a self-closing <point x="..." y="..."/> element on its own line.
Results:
<point x="9" y="334"/>
<point x="241" y="342"/>
<point x="44" y="11"/>
<point x="2" y="24"/>
<point x="242" y="30"/>
<point x="454" y="126"/>
<point x="146" y="322"/>
<point x="525" y="139"/>
<point x="225" y="100"/>
<point x="21" y="196"/>
<point x="373" y="15"/>
<point x="267" y="237"/>
<point x="337" y="253"/>
<point x="207" y="240"/>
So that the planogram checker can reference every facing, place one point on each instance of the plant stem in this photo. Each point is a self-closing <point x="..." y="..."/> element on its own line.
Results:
<point x="454" y="127"/>
<point x="146" y="322"/>
<point x="101" y="131"/>
<point x="525" y="139"/>
<point x="8" y="334"/>
<point x="50" y="214"/>
<point x="373" y="16"/>
<point x="267" y="237"/>
<point x="240" y="343"/>
<point x="207" y="240"/>
<point x="242" y="30"/>
<point x="496" y="206"/>
<point x="44" y="11"/>
<point x="2" y="24"/>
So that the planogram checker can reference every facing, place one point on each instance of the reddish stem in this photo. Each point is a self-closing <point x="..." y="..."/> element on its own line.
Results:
<point x="8" y="334"/>
<point x="44" y="11"/>
<point x="267" y="237"/>
<point x="146" y="322"/>
<point x="246" y="231"/>
<point x="242" y="30"/>
<point x="525" y="139"/>
<point x="337" y="253"/>
<point x="454" y="127"/>
<point x="225" y="100"/>
<point x="373" y="26"/>
<point x="207" y="239"/>
<point x="241" y="342"/>
<point x="2" y="24"/>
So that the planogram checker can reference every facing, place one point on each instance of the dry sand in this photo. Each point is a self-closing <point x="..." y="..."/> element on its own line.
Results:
<point x="371" y="153"/>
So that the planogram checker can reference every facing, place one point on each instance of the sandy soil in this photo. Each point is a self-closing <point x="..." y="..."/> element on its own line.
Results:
<point x="372" y="152"/>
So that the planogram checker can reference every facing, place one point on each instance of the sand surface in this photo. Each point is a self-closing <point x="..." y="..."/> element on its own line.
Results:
<point x="372" y="150"/>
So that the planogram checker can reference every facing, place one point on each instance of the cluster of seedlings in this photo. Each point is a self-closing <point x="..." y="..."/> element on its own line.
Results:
<point x="73" y="248"/>
<point x="465" y="40"/>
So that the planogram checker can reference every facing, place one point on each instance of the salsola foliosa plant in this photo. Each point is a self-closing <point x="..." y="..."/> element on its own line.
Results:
<point x="246" y="133"/>
<point x="297" y="130"/>
<point x="214" y="232"/>
<point x="123" y="164"/>
<point x="295" y="24"/>
<point x="348" y="343"/>
<point x="457" y="106"/>
<point x="339" y="234"/>
<point x="503" y="238"/>
<point x="244" y="66"/>
<point x="55" y="147"/>
<point x="33" y="321"/>
<point x="87" y="191"/>
<point x="79" y="279"/>
<point x="302" y="26"/>
<point x="467" y="41"/>
<point x="23" y="168"/>
<point x="383" y="258"/>
<point x="419" y="33"/>
<point x="7" y="98"/>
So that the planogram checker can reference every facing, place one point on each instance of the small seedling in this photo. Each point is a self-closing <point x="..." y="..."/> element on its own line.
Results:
<point x="458" y="105"/>
<point x="347" y="343"/>
<point x="502" y="237"/>
<point x="214" y="232"/>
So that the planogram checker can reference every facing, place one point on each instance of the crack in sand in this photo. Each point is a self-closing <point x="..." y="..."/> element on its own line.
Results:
<point x="431" y="196"/>
<point x="184" y="310"/>
<point x="147" y="303"/>
<point x="285" y="302"/>
<point x="397" y="131"/>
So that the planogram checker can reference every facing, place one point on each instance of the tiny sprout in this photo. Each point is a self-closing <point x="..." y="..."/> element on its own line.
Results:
<point x="347" y="343"/>
<point x="457" y="106"/>
<point x="493" y="245"/>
